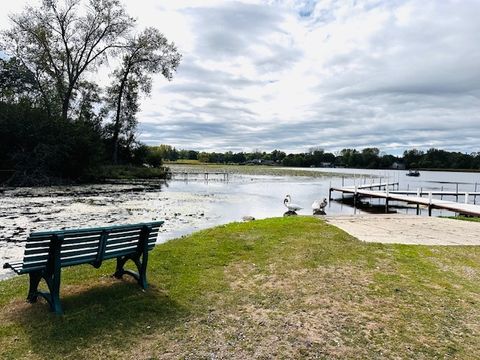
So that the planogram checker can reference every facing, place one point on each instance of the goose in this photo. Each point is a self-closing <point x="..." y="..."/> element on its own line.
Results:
<point x="291" y="207"/>
<point x="319" y="207"/>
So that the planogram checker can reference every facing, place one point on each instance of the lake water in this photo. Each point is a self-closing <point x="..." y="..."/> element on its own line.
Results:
<point x="191" y="205"/>
<point x="262" y="196"/>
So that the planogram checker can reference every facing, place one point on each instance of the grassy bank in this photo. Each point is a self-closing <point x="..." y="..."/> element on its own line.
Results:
<point x="278" y="288"/>
<point x="124" y="172"/>
<point x="466" y="218"/>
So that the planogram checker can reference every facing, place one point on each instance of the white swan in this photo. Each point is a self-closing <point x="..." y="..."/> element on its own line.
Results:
<point x="319" y="206"/>
<point x="291" y="207"/>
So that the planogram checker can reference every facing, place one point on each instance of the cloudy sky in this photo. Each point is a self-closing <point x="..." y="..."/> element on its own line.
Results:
<point x="293" y="74"/>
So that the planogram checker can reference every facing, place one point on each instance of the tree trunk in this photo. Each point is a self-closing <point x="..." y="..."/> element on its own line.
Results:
<point x="66" y="103"/>
<point x="116" y="127"/>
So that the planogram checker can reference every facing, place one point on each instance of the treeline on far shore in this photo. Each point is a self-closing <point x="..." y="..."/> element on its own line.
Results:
<point x="371" y="158"/>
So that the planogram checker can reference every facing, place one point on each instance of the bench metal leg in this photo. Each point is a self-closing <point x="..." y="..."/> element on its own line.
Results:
<point x="142" y="252"/>
<point x="35" y="278"/>
<point x="53" y="297"/>
<point x="53" y="294"/>
<point x="119" y="271"/>
<point x="142" y="271"/>
<point x="140" y="276"/>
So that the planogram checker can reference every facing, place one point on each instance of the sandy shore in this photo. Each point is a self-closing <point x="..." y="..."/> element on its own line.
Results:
<point x="408" y="229"/>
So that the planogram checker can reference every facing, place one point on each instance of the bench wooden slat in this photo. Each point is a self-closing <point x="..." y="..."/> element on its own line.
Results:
<point x="24" y="270"/>
<point x="37" y="244"/>
<point x="35" y="251"/>
<point x="34" y="258"/>
<point x="75" y="253"/>
<point x="79" y="260"/>
<point x="80" y="240"/>
<point x="121" y="240"/>
<point x="28" y="266"/>
<point x="114" y="235"/>
<point x="121" y="246"/>
<point x="115" y="254"/>
<point x="15" y="266"/>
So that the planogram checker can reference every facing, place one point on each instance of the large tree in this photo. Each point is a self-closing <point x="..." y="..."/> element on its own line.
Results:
<point x="143" y="55"/>
<point x="61" y="40"/>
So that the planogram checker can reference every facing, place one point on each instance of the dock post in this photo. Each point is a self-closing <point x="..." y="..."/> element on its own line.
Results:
<point x="457" y="193"/>
<point x="430" y="203"/>
<point x="355" y="198"/>
<point x="343" y="180"/>
<point x="418" y="209"/>
<point x="466" y="198"/>
<point x="475" y="196"/>
<point x="386" y="199"/>
<point x="330" y="194"/>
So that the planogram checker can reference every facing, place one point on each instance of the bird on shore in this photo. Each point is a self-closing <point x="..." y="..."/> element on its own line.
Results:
<point x="292" y="208"/>
<point x="319" y="207"/>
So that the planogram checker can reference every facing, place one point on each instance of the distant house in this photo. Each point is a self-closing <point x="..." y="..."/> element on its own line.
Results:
<point x="398" y="166"/>
<point x="260" y="162"/>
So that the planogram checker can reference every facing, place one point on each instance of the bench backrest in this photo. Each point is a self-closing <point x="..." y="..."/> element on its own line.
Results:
<point x="83" y="246"/>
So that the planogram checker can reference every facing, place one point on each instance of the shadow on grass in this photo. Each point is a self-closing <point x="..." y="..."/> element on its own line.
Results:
<point x="112" y="315"/>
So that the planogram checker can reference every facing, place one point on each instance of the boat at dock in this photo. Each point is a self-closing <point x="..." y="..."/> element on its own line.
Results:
<point x="413" y="173"/>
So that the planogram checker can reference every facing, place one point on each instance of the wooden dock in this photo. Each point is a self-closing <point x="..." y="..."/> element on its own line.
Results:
<point x="405" y="196"/>
<point x="224" y="176"/>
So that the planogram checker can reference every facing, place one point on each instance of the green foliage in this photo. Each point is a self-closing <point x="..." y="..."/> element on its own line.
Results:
<point x="44" y="151"/>
<point x="166" y="152"/>
<point x="17" y="82"/>
<point x="370" y="158"/>
<point x="441" y="159"/>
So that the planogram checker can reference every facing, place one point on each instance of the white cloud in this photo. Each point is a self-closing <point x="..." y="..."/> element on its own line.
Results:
<point x="291" y="74"/>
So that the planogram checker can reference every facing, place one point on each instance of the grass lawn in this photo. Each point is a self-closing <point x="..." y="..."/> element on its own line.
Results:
<point x="126" y="172"/>
<point x="278" y="288"/>
<point x="466" y="218"/>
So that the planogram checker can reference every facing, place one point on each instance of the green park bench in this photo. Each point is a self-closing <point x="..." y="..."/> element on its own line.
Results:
<point x="48" y="251"/>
